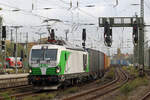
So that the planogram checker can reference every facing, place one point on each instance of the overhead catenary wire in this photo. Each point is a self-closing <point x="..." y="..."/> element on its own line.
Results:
<point x="29" y="12"/>
<point x="60" y="6"/>
<point x="87" y="13"/>
<point x="25" y="11"/>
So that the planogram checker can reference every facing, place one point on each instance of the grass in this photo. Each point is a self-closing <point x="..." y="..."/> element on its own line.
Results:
<point x="110" y="74"/>
<point x="132" y="85"/>
<point x="121" y="97"/>
<point x="131" y="70"/>
<point x="136" y="82"/>
<point x="71" y="90"/>
<point x="5" y="95"/>
<point x="43" y="96"/>
<point x="48" y="96"/>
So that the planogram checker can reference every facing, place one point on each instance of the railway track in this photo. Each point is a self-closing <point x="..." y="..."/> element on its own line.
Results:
<point x="146" y="96"/>
<point x="13" y="80"/>
<point x="15" y="88"/>
<point x="121" y="78"/>
<point x="21" y="92"/>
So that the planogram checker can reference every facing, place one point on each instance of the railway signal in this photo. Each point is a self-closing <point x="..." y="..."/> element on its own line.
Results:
<point x="84" y="37"/>
<point x="14" y="47"/>
<point x="3" y="31"/>
<point x="3" y="45"/>
<point x="52" y="34"/>
<point x="14" y="52"/>
<point x="3" y="38"/>
<point x="107" y="34"/>
<point x="137" y="23"/>
<point x="22" y="55"/>
<point x="135" y="33"/>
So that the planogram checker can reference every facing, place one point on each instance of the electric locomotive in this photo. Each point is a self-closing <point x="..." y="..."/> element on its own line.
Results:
<point x="54" y="64"/>
<point x="57" y="65"/>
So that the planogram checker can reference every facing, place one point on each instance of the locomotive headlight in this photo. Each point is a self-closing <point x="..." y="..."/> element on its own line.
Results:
<point x="30" y="71"/>
<point x="57" y="69"/>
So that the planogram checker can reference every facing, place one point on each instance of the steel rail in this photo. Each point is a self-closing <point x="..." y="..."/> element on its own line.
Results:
<point x="96" y="89"/>
<point x="145" y="97"/>
<point x="113" y="88"/>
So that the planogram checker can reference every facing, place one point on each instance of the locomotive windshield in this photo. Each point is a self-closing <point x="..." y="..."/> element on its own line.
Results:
<point x="44" y="54"/>
<point x="37" y="54"/>
<point x="51" y="54"/>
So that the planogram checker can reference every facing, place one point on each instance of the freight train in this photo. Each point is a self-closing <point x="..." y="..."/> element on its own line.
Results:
<point x="121" y="62"/>
<point x="59" y="65"/>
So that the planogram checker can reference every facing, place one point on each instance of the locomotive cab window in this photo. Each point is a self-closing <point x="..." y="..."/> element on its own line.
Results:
<point x="84" y="61"/>
<point x="41" y="54"/>
<point x="37" y="54"/>
<point x="51" y="54"/>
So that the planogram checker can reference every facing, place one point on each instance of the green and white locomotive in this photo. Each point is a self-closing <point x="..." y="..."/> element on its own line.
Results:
<point x="56" y="64"/>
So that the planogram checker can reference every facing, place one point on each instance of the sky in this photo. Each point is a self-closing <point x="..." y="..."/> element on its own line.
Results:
<point x="31" y="16"/>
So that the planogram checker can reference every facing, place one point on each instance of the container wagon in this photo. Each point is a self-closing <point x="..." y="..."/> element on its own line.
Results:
<point x="122" y="62"/>
<point x="96" y="62"/>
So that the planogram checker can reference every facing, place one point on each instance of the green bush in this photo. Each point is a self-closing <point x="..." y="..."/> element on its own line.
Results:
<point x="6" y="96"/>
<point x="131" y="70"/>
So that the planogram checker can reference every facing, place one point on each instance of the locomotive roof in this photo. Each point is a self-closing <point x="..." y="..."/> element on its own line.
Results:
<point x="50" y="46"/>
<point x="47" y="45"/>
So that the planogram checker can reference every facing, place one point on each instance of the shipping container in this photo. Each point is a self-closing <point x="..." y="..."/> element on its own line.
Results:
<point x="96" y="60"/>
<point x="106" y="62"/>
<point x="122" y="62"/>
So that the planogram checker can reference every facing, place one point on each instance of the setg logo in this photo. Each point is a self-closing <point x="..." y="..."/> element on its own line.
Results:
<point x="44" y="65"/>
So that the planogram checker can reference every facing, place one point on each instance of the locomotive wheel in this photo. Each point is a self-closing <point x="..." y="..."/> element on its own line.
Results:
<point x="100" y="75"/>
<point x="94" y="76"/>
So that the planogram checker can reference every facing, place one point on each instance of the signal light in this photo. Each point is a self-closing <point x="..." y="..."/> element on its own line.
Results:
<point x="135" y="32"/>
<point x="84" y="35"/>
<point x="3" y="45"/>
<point x="3" y="31"/>
<point x="106" y="28"/>
<point x="3" y="42"/>
<point x="110" y="32"/>
<point x="52" y="34"/>
<point x="107" y="34"/>
<point x="83" y="44"/>
<point x="22" y="56"/>
<point x="14" y="47"/>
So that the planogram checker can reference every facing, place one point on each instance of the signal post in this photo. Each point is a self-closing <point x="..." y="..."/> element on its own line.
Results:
<point x="138" y="34"/>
